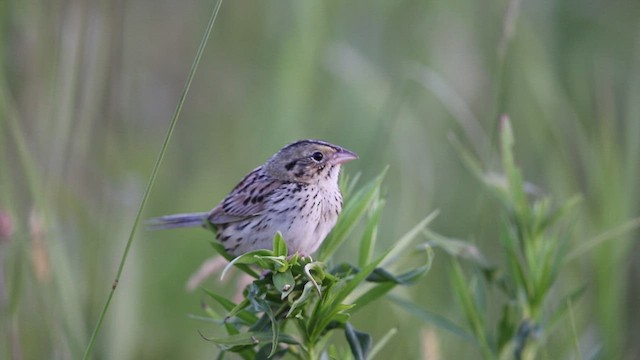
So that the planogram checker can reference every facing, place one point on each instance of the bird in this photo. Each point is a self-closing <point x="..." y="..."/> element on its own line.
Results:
<point x="295" y="192"/>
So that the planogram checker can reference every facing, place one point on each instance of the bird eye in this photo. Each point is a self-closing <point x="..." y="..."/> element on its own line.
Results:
<point x="317" y="156"/>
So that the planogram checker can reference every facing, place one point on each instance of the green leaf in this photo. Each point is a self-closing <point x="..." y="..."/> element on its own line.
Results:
<point x="573" y="296"/>
<point x="359" y="342"/>
<point x="372" y="294"/>
<point x="231" y="330"/>
<point x="506" y="327"/>
<point x="262" y="305"/>
<point x="432" y="318"/>
<point x="382" y="342"/>
<point x="307" y="271"/>
<point x="220" y="250"/>
<point x="284" y="282"/>
<point x="224" y="302"/>
<point x="327" y="312"/>
<point x="263" y="353"/>
<point x="238" y="311"/>
<point x="347" y="184"/>
<point x="212" y="313"/>
<point x="234" y="310"/>
<point x="387" y="281"/>
<point x="273" y="263"/>
<point x="306" y="293"/>
<point x="552" y="217"/>
<point x="470" y="161"/>
<point x="279" y="246"/>
<point x="400" y="246"/>
<point x="331" y="305"/>
<point x="515" y="267"/>
<point x="245" y="352"/>
<point x="370" y="233"/>
<point x="353" y="211"/>
<point x="340" y="318"/>
<point x="251" y="257"/>
<point x="474" y="316"/>
<point x="250" y="338"/>
<point x="381" y="275"/>
<point x="614" y="233"/>
<point x="457" y="248"/>
<point x="514" y="176"/>
<point x="356" y="280"/>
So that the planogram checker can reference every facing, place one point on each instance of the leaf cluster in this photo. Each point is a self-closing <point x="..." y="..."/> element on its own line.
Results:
<point x="533" y="237"/>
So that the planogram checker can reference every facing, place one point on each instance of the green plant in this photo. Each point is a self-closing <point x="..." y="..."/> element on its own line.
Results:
<point x="296" y="303"/>
<point x="534" y="237"/>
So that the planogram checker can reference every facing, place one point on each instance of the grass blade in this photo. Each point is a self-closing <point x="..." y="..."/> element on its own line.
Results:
<point x="152" y="177"/>
<point x="404" y="241"/>
<point x="232" y="308"/>
<point x="470" y="308"/>
<point x="370" y="234"/>
<point x="250" y="338"/>
<point x="247" y="258"/>
<point x="359" y="342"/>
<point x="371" y="295"/>
<point x="220" y="250"/>
<point x="382" y="342"/>
<point x="611" y="234"/>
<point x="432" y="318"/>
<point x="354" y="209"/>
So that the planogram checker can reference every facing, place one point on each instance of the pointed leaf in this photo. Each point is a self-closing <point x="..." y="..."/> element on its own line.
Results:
<point x="356" y="280"/>
<point x="457" y="248"/>
<point x="354" y="209"/>
<point x="220" y="250"/>
<point x="506" y="327"/>
<point x="405" y="240"/>
<point x="472" y="313"/>
<point x="262" y="305"/>
<point x="251" y="257"/>
<point x="347" y="184"/>
<point x="432" y="318"/>
<point x="372" y="294"/>
<point x="232" y="308"/>
<point x="517" y="196"/>
<point x="573" y="296"/>
<point x="613" y="233"/>
<point x="359" y="342"/>
<point x="284" y="282"/>
<point x="250" y="338"/>
<point x="370" y="233"/>
<point x="307" y="272"/>
<point x="279" y="246"/>
<point x="306" y="293"/>
<point x="382" y="342"/>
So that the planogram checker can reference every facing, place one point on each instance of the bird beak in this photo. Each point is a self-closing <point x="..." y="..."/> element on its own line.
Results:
<point x="342" y="156"/>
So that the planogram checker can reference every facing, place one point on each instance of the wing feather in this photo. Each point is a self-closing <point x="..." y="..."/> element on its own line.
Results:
<point x="246" y="200"/>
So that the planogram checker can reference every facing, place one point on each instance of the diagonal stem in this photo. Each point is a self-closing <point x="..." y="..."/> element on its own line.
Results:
<point x="153" y="175"/>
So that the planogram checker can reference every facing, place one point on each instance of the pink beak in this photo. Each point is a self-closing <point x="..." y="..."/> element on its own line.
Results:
<point x="342" y="156"/>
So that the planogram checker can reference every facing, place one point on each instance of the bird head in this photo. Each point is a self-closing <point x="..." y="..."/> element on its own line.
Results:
<point x="309" y="161"/>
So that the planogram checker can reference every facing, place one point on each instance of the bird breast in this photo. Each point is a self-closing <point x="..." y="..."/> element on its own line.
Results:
<point x="310" y="216"/>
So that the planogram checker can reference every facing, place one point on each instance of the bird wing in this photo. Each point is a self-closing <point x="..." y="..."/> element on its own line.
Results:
<point x="246" y="200"/>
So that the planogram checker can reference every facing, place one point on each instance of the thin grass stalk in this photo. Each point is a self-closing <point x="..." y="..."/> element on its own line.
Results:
<point x="154" y="174"/>
<point x="25" y="156"/>
<point x="498" y="88"/>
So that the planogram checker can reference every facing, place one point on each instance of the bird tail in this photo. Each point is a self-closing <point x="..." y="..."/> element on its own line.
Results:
<point x="177" y="221"/>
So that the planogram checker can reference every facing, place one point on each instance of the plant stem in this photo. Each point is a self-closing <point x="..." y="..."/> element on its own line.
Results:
<point x="153" y="176"/>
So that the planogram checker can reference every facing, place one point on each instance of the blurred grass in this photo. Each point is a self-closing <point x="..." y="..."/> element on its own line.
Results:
<point x="91" y="87"/>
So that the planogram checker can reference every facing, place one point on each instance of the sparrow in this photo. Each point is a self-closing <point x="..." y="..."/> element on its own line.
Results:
<point x="295" y="193"/>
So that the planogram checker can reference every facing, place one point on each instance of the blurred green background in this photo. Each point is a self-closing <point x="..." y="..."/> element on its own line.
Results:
<point x="87" y="90"/>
